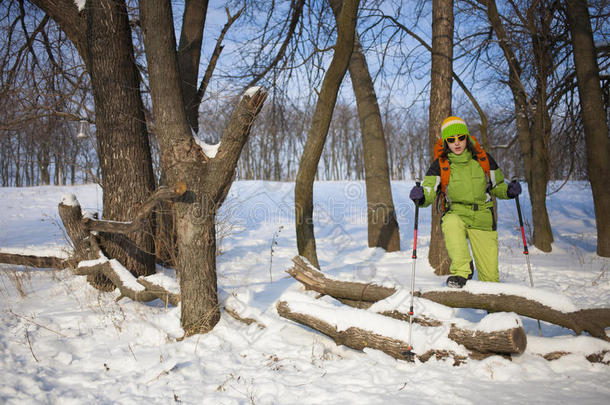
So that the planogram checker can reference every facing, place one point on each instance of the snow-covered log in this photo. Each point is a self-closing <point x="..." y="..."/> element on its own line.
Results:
<point x="358" y="336"/>
<point x="358" y="293"/>
<point x="594" y="350"/>
<point x="161" y="292"/>
<point x="142" y="289"/>
<point x="509" y="340"/>
<point x="493" y="297"/>
<point x="593" y="321"/>
<point x="123" y="280"/>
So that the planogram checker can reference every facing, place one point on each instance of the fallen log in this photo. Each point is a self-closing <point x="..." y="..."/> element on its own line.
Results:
<point x="360" y="339"/>
<point x="140" y="289"/>
<point x="160" y="292"/>
<point x="502" y="341"/>
<point x="593" y="321"/>
<point x="314" y="279"/>
<point x="594" y="350"/>
<point x="113" y="270"/>
<point x="50" y="262"/>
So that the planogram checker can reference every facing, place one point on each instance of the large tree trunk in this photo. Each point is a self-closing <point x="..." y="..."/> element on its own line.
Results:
<point x="594" y="118"/>
<point x="440" y="108"/>
<point x="531" y="139"/>
<point x="127" y="177"/>
<point x="382" y="225"/>
<point x="102" y="36"/>
<point x="308" y="164"/>
<point x="208" y="179"/>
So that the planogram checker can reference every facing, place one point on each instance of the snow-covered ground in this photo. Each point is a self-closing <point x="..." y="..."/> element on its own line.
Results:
<point x="63" y="342"/>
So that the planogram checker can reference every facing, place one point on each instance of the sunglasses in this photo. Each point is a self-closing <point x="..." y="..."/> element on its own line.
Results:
<point x="454" y="138"/>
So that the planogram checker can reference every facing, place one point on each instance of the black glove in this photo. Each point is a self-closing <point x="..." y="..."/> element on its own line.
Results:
<point x="514" y="189"/>
<point x="417" y="195"/>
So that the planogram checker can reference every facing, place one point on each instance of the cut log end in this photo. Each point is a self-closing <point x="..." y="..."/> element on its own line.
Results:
<point x="180" y="188"/>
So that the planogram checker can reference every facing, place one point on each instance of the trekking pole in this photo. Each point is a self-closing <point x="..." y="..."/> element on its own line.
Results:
<point x="414" y="257"/>
<point x="526" y="252"/>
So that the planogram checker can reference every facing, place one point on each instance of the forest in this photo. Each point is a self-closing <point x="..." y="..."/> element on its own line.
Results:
<point x="165" y="104"/>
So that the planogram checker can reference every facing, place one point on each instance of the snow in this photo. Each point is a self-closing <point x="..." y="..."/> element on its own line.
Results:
<point x="251" y="91"/>
<point x="80" y="4"/>
<point x="69" y="200"/>
<point x="165" y="278"/>
<point x="209" y="150"/>
<point x="126" y="277"/>
<point x="61" y="341"/>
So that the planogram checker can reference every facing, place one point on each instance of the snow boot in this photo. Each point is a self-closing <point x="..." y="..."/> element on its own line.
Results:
<point x="456" y="282"/>
<point x="471" y="270"/>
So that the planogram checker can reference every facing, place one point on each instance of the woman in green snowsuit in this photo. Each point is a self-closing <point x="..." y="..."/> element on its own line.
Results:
<point x="469" y="211"/>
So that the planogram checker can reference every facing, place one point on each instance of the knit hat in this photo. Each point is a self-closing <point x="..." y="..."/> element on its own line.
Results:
<point x="453" y="126"/>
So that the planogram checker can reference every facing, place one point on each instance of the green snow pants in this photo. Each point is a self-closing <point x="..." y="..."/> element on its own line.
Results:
<point x="484" y="245"/>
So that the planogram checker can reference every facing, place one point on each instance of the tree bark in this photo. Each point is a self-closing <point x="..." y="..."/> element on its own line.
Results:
<point x="102" y="36"/>
<point x="207" y="179"/>
<point x="383" y="229"/>
<point x="594" y="118"/>
<point x="440" y="108"/>
<point x="308" y="164"/>
<point x="127" y="177"/>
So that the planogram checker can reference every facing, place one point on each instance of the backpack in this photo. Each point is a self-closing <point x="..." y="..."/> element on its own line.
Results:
<point x="479" y="155"/>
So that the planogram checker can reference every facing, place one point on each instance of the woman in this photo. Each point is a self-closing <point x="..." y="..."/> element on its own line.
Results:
<point x="473" y="178"/>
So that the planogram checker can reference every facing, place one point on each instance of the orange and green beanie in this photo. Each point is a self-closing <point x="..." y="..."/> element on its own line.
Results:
<point x="453" y="126"/>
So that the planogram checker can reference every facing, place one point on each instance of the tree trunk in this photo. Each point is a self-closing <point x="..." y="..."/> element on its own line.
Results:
<point x="207" y="179"/>
<point x="189" y="53"/>
<point x="124" y="151"/>
<point x="43" y="164"/>
<point x="440" y="108"/>
<point x="383" y="229"/>
<point x="531" y="140"/>
<point x="308" y="164"/>
<point x="594" y="118"/>
<point x="102" y="36"/>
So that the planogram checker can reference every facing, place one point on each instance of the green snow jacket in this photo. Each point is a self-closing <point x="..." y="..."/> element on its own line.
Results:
<point x="469" y="191"/>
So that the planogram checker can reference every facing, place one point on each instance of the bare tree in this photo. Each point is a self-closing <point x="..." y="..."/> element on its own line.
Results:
<point x="594" y="118"/>
<point x="308" y="164"/>
<point x="533" y="124"/>
<point x="382" y="225"/>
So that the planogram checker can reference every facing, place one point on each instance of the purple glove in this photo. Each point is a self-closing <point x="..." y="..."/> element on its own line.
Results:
<point x="514" y="189"/>
<point x="417" y="195"/>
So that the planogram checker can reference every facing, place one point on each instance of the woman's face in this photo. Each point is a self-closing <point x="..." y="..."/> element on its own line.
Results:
<point x="458" y="145"/>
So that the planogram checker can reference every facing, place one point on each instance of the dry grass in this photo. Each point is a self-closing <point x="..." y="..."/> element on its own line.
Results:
<point x="18" y="278"/>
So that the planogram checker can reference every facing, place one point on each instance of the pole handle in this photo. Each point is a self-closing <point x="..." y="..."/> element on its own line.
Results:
<point x="414" y="255"/>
